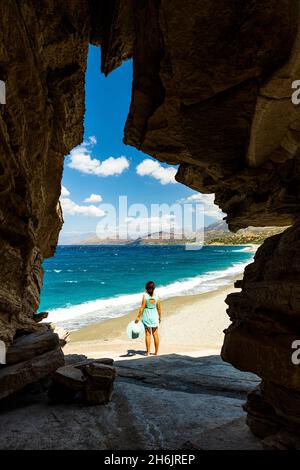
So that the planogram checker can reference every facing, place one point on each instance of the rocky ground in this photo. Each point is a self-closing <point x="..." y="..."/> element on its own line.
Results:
<point x="167" y="402"/>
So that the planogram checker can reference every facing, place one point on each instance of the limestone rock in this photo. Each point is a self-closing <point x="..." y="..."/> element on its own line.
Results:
<point x="88" y="381"/>
<point x="67" y="383"/>
<point x="15" y="377"/>
<point x="208" y="100"/>
<point x="209" y="418"/>
<point x="103" y="360"/>
<point x="99" y="382"/>
<point x="70" y="377"/>
<point x="38" y="317"/>
<point x="43" y="55"/>
<point x="265" y="323"/>
<point x="27" y="346"/>
<point x="74" y="358"/>
<point x="282" y="441"/>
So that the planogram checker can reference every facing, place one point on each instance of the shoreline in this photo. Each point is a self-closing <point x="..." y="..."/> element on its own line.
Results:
<point x="190" y="324"/>
<point x="104" y="309"/>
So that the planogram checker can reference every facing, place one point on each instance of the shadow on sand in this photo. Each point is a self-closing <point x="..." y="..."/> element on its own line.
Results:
<point x="134" y="352"/>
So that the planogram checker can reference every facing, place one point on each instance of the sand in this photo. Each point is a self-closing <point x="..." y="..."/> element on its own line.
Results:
<point x="190" y="325"/>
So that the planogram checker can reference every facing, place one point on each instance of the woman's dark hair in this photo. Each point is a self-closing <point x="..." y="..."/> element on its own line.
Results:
<point x="150" y="286"/>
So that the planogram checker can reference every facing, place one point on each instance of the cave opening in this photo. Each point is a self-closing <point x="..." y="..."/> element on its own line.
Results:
<point x="84" y="282"/>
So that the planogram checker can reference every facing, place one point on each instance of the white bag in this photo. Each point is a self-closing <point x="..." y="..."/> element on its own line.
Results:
<point x="135" y="330"/>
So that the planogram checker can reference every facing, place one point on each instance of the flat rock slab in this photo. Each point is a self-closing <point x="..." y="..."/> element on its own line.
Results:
<point x="137" y="418"/>
<point x="141" y="415"/>
<point x="196" y="375"/>
<point x="30" y="345"/>
<point x="15" y="377"/>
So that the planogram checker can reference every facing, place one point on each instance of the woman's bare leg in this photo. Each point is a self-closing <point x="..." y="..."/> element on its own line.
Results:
<point x="148" y="340"/>
<point x="156" y="339"/>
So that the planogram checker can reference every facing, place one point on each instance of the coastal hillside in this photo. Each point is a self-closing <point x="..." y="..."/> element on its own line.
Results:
<point x="216" y="233"/>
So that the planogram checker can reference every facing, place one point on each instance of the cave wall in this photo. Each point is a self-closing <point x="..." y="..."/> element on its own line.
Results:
<point x="265" y="323"/>
<point x="211" y="92"/>
<point x="43" y="51"/>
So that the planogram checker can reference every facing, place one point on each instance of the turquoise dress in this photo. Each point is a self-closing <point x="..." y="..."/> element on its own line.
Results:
<point x="150" y="317"/>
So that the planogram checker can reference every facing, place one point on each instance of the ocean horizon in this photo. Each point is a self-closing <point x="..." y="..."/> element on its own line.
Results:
<point x="89" y="284"/>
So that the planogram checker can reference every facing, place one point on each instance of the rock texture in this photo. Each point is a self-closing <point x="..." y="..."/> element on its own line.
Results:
<point x="15" y="377"/>
<point x="211" y="92"/>
<point x="208" y="401"/>
<point x="265" y="323"/>
<point x="88" y="381"/>
<point x="31" y="357"/>
<point x="28" y="346"/>
<point x="213" y="95"/>
<point x="43" y="50"/>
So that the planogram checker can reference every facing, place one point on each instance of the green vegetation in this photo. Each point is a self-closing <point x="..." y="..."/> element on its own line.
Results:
<point x="254" y="236"/>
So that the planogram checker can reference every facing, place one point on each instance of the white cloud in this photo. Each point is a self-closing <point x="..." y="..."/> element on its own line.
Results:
<point x="81" y="159"/>
<point x="93" y="198"/>
<point x="64" y="192"/>
<point x="71" y="208"/>
<point x="157" y="171"/>
<point x="113" y="166"/>
<point x="207" y="200"/>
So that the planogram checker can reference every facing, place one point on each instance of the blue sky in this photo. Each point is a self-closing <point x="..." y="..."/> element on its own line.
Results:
<point x="104" y="168"/>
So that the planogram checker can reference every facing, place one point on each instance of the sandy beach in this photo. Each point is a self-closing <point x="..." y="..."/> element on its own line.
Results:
<point x="190" y="325"/>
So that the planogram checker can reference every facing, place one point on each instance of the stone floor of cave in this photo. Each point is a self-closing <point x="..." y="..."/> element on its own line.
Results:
<point x="167" y="402"/>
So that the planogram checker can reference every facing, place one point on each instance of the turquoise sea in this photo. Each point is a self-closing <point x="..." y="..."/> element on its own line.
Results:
<point x="87" y="284"/>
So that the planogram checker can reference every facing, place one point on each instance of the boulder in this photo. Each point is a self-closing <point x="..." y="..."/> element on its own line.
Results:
<point x="70" y="377"/>
<point x="67" y="385"/>
<point x="16" y="376"/>
<point x="99" y="382"/>
<point x="89" y="381"/>
<point x="27" y="346"/>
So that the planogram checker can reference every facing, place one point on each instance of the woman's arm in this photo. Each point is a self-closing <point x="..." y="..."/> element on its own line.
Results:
<point x="141" y="309"/>
<point x="159" y="309"/>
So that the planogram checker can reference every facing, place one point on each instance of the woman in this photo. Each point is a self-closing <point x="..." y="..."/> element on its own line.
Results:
<point x="150" y="312"/>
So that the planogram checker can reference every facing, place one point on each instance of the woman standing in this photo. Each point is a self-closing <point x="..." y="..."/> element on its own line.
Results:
<point x="150" y="312"/>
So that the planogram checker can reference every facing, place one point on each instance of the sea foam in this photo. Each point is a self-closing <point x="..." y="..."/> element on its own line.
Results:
<point x="77" y="316"/>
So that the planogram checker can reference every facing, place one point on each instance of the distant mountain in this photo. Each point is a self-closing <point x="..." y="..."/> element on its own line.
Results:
<point x="74" y="238"/>
<point x="216" y="233"/>
<point x="95" y="240"/>
<point x="219" y="225"/>
<point x="164" y="238"/>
